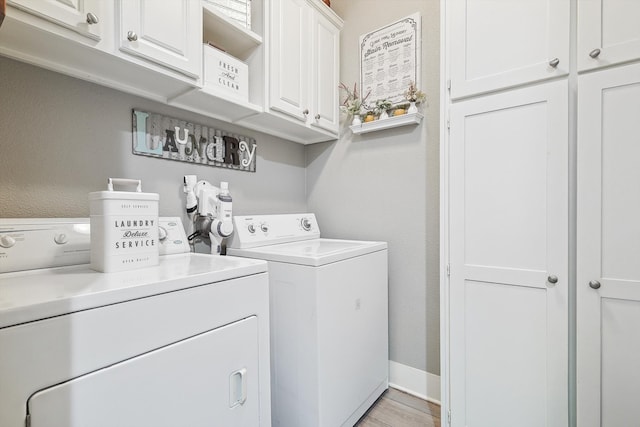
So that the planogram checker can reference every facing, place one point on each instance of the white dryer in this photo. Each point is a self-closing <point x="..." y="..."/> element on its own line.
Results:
<point x="329" y="319"/>
<point x="184" y="343"/>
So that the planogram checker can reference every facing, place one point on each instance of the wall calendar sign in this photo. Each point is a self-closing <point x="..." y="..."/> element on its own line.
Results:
<point x="390" y="60"/>
<point x="174" y="139"/>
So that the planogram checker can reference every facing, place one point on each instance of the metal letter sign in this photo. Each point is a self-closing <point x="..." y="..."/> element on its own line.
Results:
<point x="164" y="137"/>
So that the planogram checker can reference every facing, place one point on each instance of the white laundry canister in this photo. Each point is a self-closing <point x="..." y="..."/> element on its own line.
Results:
<point x="124" y="227"/>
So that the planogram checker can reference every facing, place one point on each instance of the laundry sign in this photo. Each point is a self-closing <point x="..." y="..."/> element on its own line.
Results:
<point x="169" y="138"/>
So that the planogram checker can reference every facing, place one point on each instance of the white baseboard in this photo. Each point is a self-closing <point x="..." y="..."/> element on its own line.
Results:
<point x="414" y="381"/>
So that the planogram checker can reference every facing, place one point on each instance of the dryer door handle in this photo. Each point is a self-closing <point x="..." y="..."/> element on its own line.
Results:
<point x="238" y="387"/>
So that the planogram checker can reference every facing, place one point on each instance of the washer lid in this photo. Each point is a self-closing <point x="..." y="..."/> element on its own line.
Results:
<point x="314" y="252"/>
<point x="37" y="294"/>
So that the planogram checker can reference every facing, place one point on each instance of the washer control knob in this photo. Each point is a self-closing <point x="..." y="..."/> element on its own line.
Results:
<point x="162" y="233"/>
<point x="264" y="227"/>
<point x="251" y="228"/>
<point x="306" y="224"/>
<point x="7" y="241"/>
<point x="60" y="239"/>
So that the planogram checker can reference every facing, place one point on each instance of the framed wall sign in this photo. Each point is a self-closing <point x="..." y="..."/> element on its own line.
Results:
<point x="390" y="59"/>
<point x="165" y="137"/>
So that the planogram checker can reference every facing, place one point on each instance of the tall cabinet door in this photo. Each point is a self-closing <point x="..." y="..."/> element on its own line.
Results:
<point x="608" y="32"/>
<point x="509" y="259"/>
<point x="608" y="270"/>
<point x="169" y="34"/>
<point x="289" y="66"/>
<point x="498" y="44"/>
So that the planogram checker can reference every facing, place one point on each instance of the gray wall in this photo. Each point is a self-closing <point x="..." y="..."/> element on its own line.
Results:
<point x="61" y="138"/>
<point x="384" y="185"/>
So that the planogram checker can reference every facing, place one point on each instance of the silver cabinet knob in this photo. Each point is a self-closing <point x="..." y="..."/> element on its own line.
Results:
<point x="594" y="284"/>
<point x="132" y="36"/>
<point x="306" y="111"/>
<point x="92" y="19"/>
<point x="552" y="279"/>
<point x="594" y="53"/>
<point x="554" y="62"/>
<point x="317" y="116"/>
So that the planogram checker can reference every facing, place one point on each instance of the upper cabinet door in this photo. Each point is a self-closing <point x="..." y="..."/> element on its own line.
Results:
<point x="499" y="44"/>
<point x="325" y="67"/>
<point x="608" y="32"/>
<point x="85" y="17"/>
<point x="169" y="34"/>
<point x="289" y="57"/>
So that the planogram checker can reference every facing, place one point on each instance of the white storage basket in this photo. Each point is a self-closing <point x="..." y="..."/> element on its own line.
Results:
<point x="124" y="228"/>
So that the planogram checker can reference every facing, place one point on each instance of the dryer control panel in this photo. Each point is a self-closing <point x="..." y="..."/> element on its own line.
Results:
<point x="33" y="243"/>
<point x="259" y="230"/>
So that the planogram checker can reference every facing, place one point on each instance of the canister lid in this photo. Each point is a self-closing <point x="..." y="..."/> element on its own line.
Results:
<point x="123" y="195"/>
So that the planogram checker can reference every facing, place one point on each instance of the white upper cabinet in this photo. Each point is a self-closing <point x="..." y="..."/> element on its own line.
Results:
<point x="303" y="68"/>
<point x="85" y="17"/>
<point x="289" y="57"/>
<point x="608" y="32"/>
<point x="325" y="69"/>
<point x="169" y="34"/>
<point x="500" y="44"/>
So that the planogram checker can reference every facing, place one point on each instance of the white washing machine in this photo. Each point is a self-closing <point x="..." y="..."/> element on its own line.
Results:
<point x="329" y="319"/>
<point x="184" y="343"/>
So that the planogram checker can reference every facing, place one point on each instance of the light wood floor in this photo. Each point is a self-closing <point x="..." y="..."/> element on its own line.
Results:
<point x="398" y="409"/>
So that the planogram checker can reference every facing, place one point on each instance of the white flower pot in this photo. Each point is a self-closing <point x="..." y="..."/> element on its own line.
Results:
<point x="384" y="115"/>
<point x="412" y="108"/>
<point x="356" y="120"/>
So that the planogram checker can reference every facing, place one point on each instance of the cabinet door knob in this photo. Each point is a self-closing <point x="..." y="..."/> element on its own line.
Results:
<point x="594" y="53"/>
<point x="306" y="111"/>
<point x="594" y="284"/>
<point x="552" y="279"/>
<point x="132" y="36"/>
<point x="92" y="19"/>
<point x="554" y="62"/>
<point x="317" y="116"/>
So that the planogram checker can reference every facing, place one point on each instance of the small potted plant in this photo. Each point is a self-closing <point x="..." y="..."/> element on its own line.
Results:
<point x="370" y="115"/>
<point x="352" y="105"/>
<point x="382" y="105"/>
<point x="414" y="96"/>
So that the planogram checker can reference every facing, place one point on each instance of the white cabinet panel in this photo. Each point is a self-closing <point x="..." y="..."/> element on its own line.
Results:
<point x="209" y="379"/>
<point x="170" y="35"/>
<point x="509" y="237"/>
<point x="505" y="327"/>
<point x="608" y="272"/>
<point x="289" y="57"/>
<point x="85" y="17"/>
<point x="609" y="28"/>
<point x="325" y="69"/>
<point x="502" y="43"/>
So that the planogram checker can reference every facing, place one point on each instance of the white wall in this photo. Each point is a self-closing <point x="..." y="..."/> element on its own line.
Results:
<point x="385" y="185"/>
<point x="61" y="138"/>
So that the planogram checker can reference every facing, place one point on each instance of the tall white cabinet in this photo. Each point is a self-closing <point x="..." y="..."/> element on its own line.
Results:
<point x="508" y="288"/>
<point x="513" y="121"/>
<point x="608" y="271"/>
